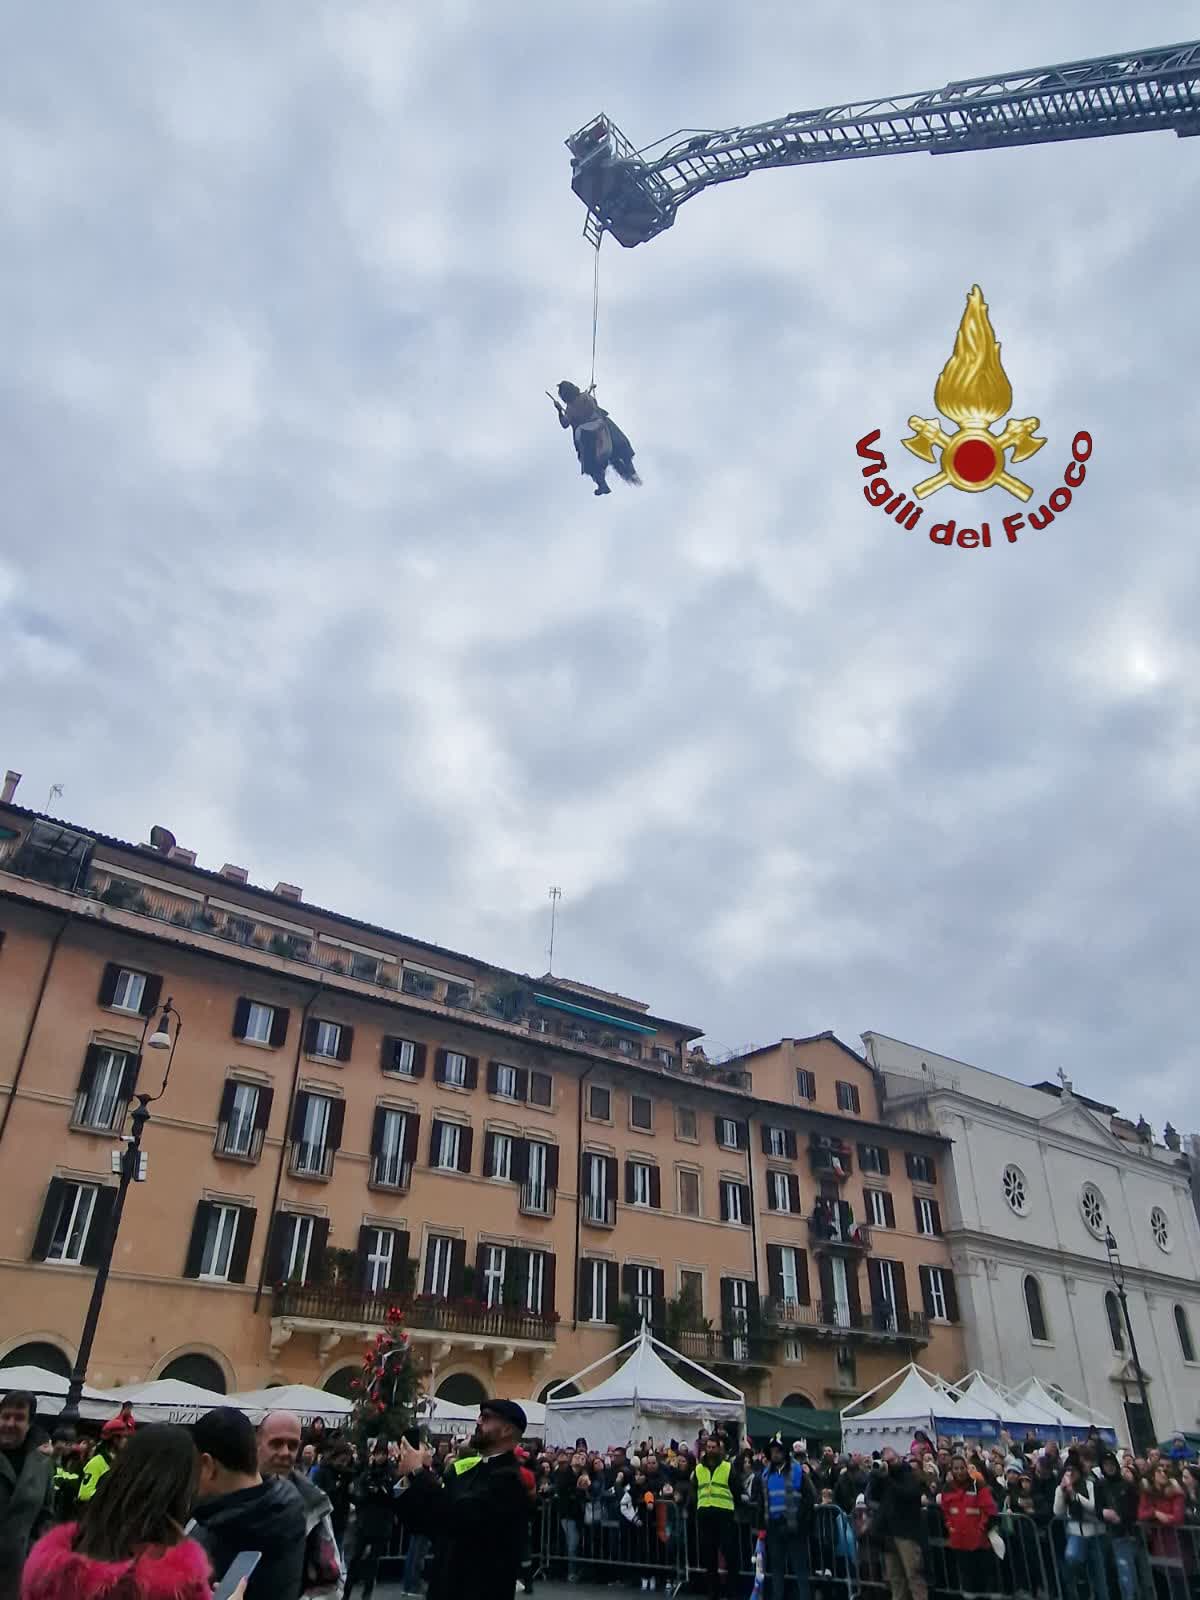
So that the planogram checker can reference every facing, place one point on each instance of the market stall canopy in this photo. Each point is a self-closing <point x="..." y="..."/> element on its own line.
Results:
<point x="301" y="1398"/>
<point x="97" y="1405"/>
<point x="920" y="1401"/>
<point x="643" y="1398"/>
<point x="168" y="1400"/>
<point x="445" y="1416"/>
<point x="792" y="1423"/>
<point x="1072" y="1416"/>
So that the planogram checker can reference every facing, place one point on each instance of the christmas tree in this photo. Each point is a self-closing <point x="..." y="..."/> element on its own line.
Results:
<point x="386" y="1392"/>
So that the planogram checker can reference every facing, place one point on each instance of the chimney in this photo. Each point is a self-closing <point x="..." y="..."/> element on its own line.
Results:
<point x="185" y="858"/>
<point x="11" y="780"/>
<point x="236" y="874"/>
<point x="289" y="891"/>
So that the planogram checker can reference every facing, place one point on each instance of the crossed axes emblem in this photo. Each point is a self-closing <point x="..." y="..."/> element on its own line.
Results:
<point x="1018" y="436"/>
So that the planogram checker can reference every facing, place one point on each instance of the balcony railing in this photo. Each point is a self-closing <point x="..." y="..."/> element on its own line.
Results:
<point x="311" y="1160"/>
<point x="833" y="1226"/>
<point x="730" y="1347"/>
<point x="830" y="1161"/>
<point x="538" y="1199"/>
<point x="601" y="1213"/>
<point x="467" y="1317"/>
<point x="391" y="1172"/>
<point x="829" y="1316"/>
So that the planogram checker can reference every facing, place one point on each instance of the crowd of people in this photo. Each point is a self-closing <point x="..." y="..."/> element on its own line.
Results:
<point x="162" y="1513"/>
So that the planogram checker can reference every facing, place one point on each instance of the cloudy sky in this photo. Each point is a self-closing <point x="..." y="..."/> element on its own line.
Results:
<point x="296" y="561"/>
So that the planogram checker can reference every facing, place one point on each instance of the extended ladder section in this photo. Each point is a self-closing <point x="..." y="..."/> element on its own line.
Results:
<point x="1144" y="91"/>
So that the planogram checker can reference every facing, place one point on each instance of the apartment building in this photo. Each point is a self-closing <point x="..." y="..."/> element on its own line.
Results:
<point x="355" y="1119"/>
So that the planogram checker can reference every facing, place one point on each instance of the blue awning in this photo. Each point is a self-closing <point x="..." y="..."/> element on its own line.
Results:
<point x="593" y="1016"/>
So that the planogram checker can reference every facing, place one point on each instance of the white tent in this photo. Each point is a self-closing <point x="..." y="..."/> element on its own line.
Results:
<point x="919" y="1402"/>
<point x="1072" y="1416"/>
<point x="643" y="1397"/>
<point x="445" y="1416"/>
<point x="169" y="1400"/>
<point x="51" y="1393"/>
<point x="301" y="1398"/>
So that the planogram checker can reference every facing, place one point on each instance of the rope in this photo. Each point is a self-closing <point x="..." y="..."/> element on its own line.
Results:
<point x="595" y="310"/>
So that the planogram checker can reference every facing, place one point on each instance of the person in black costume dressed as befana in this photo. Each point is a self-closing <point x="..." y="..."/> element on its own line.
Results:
<point x="599" y="443"/>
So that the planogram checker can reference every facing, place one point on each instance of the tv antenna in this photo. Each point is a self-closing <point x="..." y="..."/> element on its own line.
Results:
<point x="56" y="790"/>
<point x="555" y="897"/>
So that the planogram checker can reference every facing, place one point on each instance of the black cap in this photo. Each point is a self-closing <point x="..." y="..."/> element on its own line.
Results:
<point x="508" y="1411"/>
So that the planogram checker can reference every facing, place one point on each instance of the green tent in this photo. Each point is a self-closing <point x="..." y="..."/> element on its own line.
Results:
<point x="793" y="1422"/>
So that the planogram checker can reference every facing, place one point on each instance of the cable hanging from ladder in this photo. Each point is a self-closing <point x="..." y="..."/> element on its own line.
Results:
<point x="599" y="443"/>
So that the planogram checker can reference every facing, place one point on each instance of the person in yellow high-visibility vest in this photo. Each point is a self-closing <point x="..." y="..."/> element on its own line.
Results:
<point x="718" y="1485"/>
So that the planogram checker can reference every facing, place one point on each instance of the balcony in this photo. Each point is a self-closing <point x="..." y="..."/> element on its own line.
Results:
<point x="830" y="1158"/>
<point x="725" y="1347"/>
<point x="837" y="1319"/>
<point x="832" y="1227"/>
<point x="311" y="1160"/>
<point x="334" y="1314"/>
<point x="537" y="1199"/>
<point x="599" y="1212"/>
<point x="391" y="1171"/>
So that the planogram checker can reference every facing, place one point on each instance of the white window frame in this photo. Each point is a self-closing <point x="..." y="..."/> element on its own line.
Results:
<point x="502" y="1154"/>
<point x="739" y="1317"/>
<point x="299" y="1248"/>
<point x="841" y="1291"/>
<point x="79" y="1221"/>
<point x="777" y="1139"/>
<point x="597" y="1187"/>
<point x="535" y="1283"/>
<point x="127" y="981"/>
<point x="733" y="1200"/>
<point x="537" y="1178"/>
<point x="327" y="1040"/>
<point x="456" y="1069"/>
<point x="599" y="1290"/>
<point x="506" y="1081"/>
<point x="312" y="1145"/>
<point x="851" y="1096"/>
<point x="407" y="1062"/>
<point x="260" y="1020"/>
<point x="239" y="1129"/>
<point x="219" y="1242"/>
<point x="925" y="1225"/>
<point x="104" y="1093"/>
<point x="729" y="1133"/>
<point x="874" y="1166"/>
<point x="641" y="1183"/>
<point x="494" y="1261"/>
<point x="782" y="1191"/>
<point x="877" y="1205"/>
<point x="789" y="1274"/>
<point x="937" y="1295"/>
<point x="643" y="1293"/>
<point x="690" y="1172"/>
<point x="449" y="1146"/>
<point x="887" y="1288"/>
<point x="439" y="1256"/>
<point x="379" y="1260"/>
<point x="389" y="1163"/>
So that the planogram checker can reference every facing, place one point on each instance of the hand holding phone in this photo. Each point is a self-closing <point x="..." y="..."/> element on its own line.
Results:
<point x="233" y="1585"/>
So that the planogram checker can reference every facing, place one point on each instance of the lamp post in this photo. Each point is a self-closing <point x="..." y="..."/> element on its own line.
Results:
<point x="1117" y="1268"/>
<point x="160" y="1039"/>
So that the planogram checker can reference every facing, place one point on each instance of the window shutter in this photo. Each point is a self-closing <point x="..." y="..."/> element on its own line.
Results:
<point x="717" y="1122"/>
<point x="610" y="1273"/>
<point x="377" y="1122"/>
<point x="49" y="1216"/>
<point x="361" y="1270"/>
<point x="917" y="1214"/>
<point x="439" y="1067"/>
<point x="91" y="1059"/>
<point x="889" y="1210"/>
<point x="910" y="1163"/>
<point x="316" y="1255"/>
<point x="862" y="1157"/>
<point x="885" y="1163"/>
<point x="522" y="1083"/>
<point x="724" y="1201"/>
<point x="549" y="1275"/>
<point x="150" y="995"/>
<point x="852" y="1293"/>
<point x="262" y="1110"/>
<point x="875" y="1284"/>
<point x="241" y="1018"/>
<point x="771" y="1206"/>
<point x="742" y="1130"/>
<point x="746" y="1202"/>
<point x="629" y="1281"/>
<point x="299" y="1112"/>
<point x="276" y="1243"/>
<point x="435" y="1140"/>
<point x="489" y="1155"/>
<point x="108" y="984"/>
<point x="775" y="1271"/>
<point x="901" y="1283"/>
<point x="418" y="1061"/>
<point x="398" y="1276"/>
<point x="458" y="1267"/>
<point x="195" y="1249"/>
<point x="951" y="1292"/>
<point x="472" y="1079"/>
<point x="926" y="1290"/>
<point x="586" y="1302"/>
<point x="802" y="1285"/>
<point x="629" y="1183"/>
<point x="726" y="1302"/>
<point x="656" y="1188"/>
<point x="345" y="1042"/>
<point x="794" y="1192"/>
<point x="552" y="1166"/>
<point x="310" y="1034"/>
<point x="789" y="1144"/>
<point x="610" y="1177"/>
<point x="481" y="1251"/>
<point x="937" y="1216"/>
<point x="412" y="1132"/>
<point x="225" y="1110"/>
<point x="279" y="1026"/>
<point x="466" y="1140"/>
<point x="753" y="1305"/>
<point x="658" y="1296"/>
<point x="97" y="1234"/>
<point x="493" y="1077"/>
<point x="519" y="1167"/>
<point x="766" y="1140"/>
<point x="239" y="1256"/>
<point x="868" y="1210"/>
<point x="825" y="1278"/>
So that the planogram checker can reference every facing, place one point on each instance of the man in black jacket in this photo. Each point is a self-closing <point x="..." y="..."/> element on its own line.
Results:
<point x="239" y="1510"/>
<point x="374" y="1498"/>
<point x="476" y="1516"/>
<point x="899" y="1523"/>
<point x="26" y="1486"/>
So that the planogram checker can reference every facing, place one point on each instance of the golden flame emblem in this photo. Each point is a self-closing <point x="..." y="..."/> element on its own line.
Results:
<point x="973" y="391"/>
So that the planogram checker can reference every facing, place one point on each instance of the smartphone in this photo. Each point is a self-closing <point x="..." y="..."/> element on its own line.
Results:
<point x="241" y="1567"/>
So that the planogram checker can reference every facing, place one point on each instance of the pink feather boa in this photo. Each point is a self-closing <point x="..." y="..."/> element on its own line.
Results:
<point x="56" y="1572"/>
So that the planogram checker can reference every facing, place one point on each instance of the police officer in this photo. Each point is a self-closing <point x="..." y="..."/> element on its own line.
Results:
<point x="477" y="1514"/>
<point x="718" y="1486"/>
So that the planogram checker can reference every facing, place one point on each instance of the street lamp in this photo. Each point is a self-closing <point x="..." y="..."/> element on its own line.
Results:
<point x="161" y="1039"/>
<point x="1117" y="1268"/>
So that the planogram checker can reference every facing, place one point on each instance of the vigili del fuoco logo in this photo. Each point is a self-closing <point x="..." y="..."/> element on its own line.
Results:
<point x="973" y="392"/>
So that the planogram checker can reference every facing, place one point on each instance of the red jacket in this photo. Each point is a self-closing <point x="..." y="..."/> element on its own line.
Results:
<point x="966" y="1513"/>
<point x="1164" y="1541"/>
<point x="56" y="1572"/>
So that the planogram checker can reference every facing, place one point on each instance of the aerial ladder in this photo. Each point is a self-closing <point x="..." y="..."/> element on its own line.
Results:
<point x="635" y="196"/>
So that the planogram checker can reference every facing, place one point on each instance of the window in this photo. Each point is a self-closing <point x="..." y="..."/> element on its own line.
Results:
<point x="685" y="1123"/>
<point x="689" y="1192"/>
<point x="128" y="990"/>
<point x="1091" y="1206"/>
<point x="599" y="1104"/>
<point x="788" y="1272"/>
<point x="216" y="1254"/>
<point x="806" y="1084"/>
<point x="641" y="1112"/>
<point x="847" y="1097"/>
<point x="642" y="1292"/>
<point x="928" y="1217"/>
<point x="449" y="1141"/>
<point x="1187" y="1348"/>
<point x="239" y="1119"/>
<point x="326" y="1040"/>
<point x="541" y="1178"/>
<point x="1116" y="1328"/>
<point x="847" y="1367"/>
<point x="1035" y="1311"/>
<point x="663" y="1056"/>
<point x="780" y="1188"/>
<point x="873" y="1158"/>
<point x="390" y="1138"/>
<point x="595" y="1285"/>
<point x="296" y="1234"/>
<point x="920" y="1168"/>
<point x="793" y="1350"/>
<point x="535" y="1283"/>
<point x="775" y="1143"/>
<point x="104" y="1088"/>
<point x="938" y="1294"/>
<point x="259" y="1023"/>
<point x="455" y="1070"/>
<point x="1160" y="1229"/>
<point x="379" y="1249"/>
<point x="507" y="1082"/>
<point x="68" y="1240"/>
<point x="691" y="1291"/>
<point x="494" y="1259"/>
<point x="878" y="1208"/>
<point x="1016" y="1190"/>
<point x="541" y="1089"/>
<point x="600" y="1183"/>
<point x="640" y="1186"/>
<point x="732" y="1208"/>
<point x="728" y="1133"/>
<point x="439" y="1257"/>
<point x="400" y="1057"/>
<point x="502" y="1156"/>
<point x="311" y="1143"/>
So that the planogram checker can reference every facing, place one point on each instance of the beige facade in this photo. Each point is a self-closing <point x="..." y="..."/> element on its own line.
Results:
<point x="355" y="1120"/>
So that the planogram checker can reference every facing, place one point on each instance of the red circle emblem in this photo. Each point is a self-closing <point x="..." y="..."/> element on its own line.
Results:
<point x="974" y="461"/>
